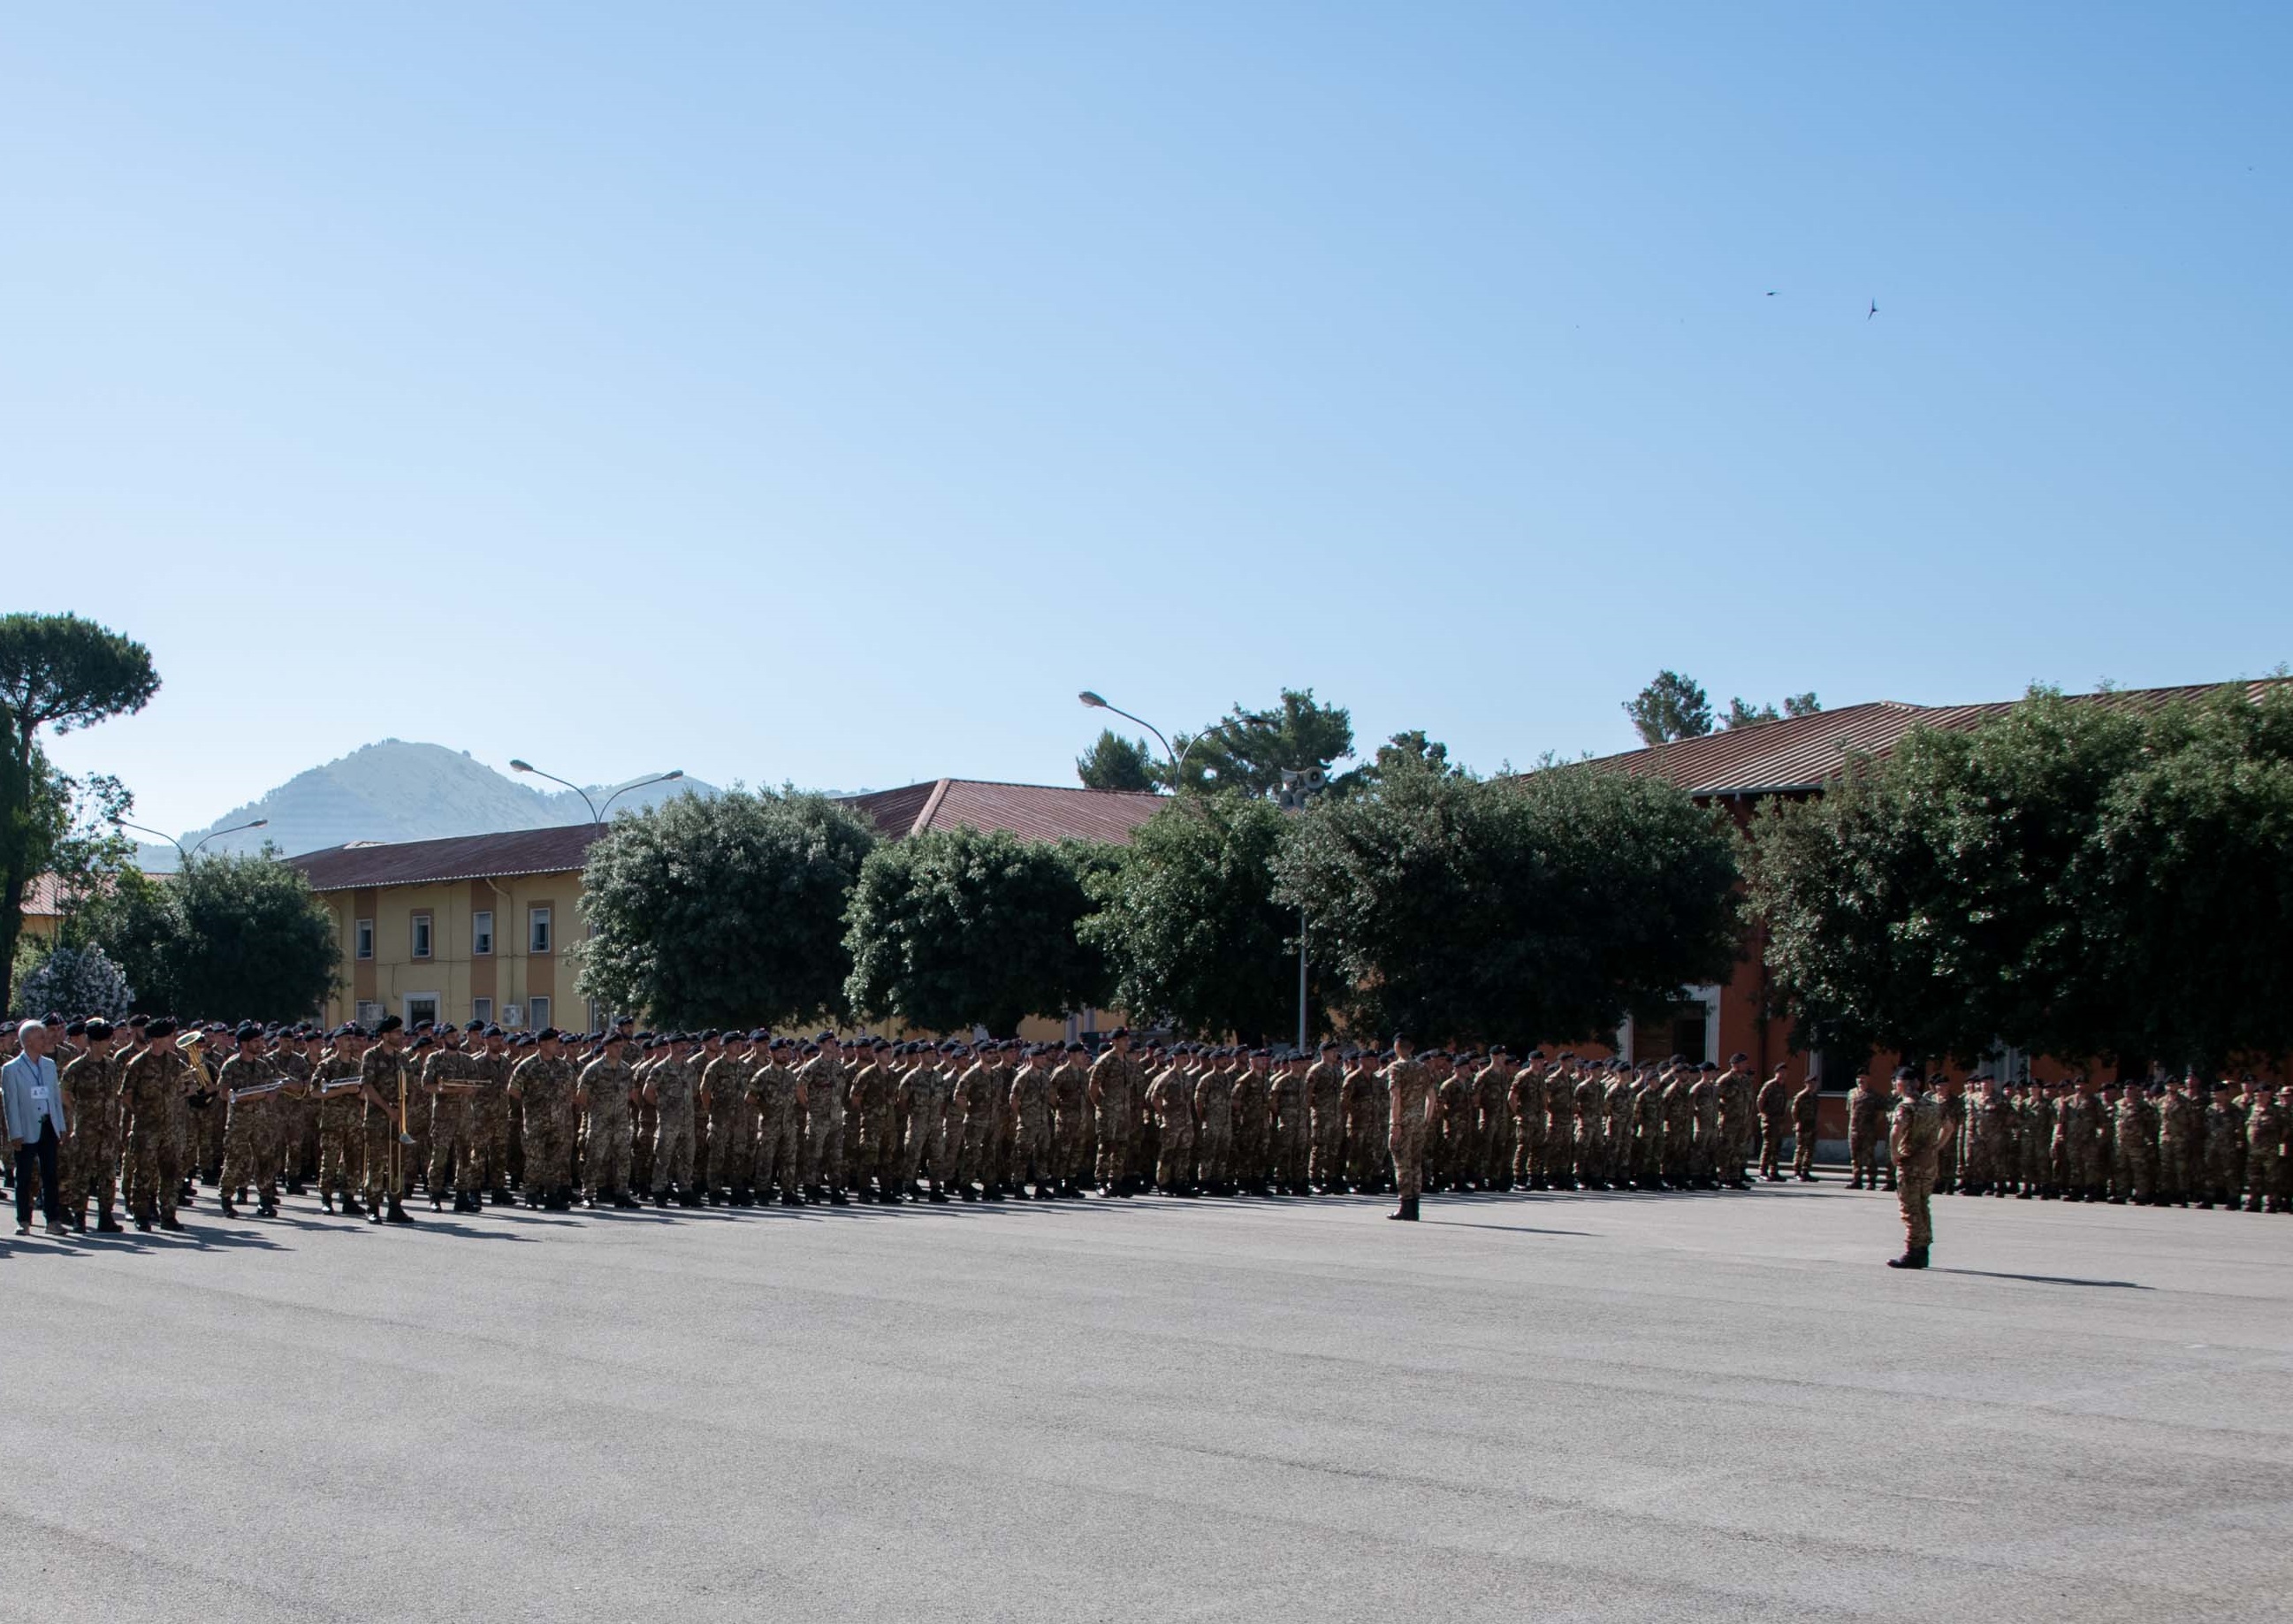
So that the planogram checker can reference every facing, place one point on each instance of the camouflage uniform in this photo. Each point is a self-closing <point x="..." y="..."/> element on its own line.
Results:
<point x="453" y="1146"/>
<point x="1991" y="1159"/>
<point x="252" y="1138"/>
<point x="1030" y="1104"/>
<point x="1867" y="1129"/>
<point x="1704" y="1155"/>
<point x="2220" y="1176"/>
<point x="1251" y="1106"/>
<point x="674" y="1108"/>
<point x="90" y="1156"/>
<point x="972" y="1124"/>
<point x="2079" y="1128"/>
<point x="1773" y="1104"/>
<point x="2181" y="1122"/>
<point x="926" y="1088"/>
<point x="606" y="1084"/>
<point x="1806" y="1114"/>
<point x="545" y="1098"/>
<point x="1679" y="1132"/>
<point x="1912" y="1139"/>
<point x="2268" y="1134"/>
<point x="490" y="1122"/>
<point x="1646" y="1165"/>
<point x="387" y="1162"/>
<point x="1367" y="1123"/>
<point x="1071" y="1122"/>
<point x="733" y="1129"/>
<point x="1325" y="1089"/>
<point x="1171" y="1096"/>
<point x="1525" y="1099"/>
<point x="1113" y="1094"/>
<point x="1212" y="1099"/>
<point x="868" y="1121"/>
<point x="1736" y="1129"/>
<point x="824" y="1079"/>
<point x="342" y="1166"/>
<point x="1411" y="1088"/>
<point x="780" y="1130"/>
<point x="1952" y="1109"/>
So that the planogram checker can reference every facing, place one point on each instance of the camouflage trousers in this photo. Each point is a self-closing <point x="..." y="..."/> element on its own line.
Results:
<point x="89" y="1158"/>
<point x="1174" y="1161"/>
<point x="780" y="1149"/>
<point x="1289" y="1146"/>
<point x="645" y="1133"/>
<point x="732" y="1147"/>
<point x="1406" y="1145"/>
<point x="251" y="1150"/>
<point x="1863" y="1155"/>
<point x="1327" y="1164"/>
<point x="453" y="1146"/>
<point x="926" y="1149"/>
<point x="1804" y="1152"/>
<point x="1113" y="1162"/>
<point x="606" y="1154"/>
<point x="1031" y="1158"/>
<point x="1773" y="1130"/>
<point x="668" y="1159"/>
<point x="340" y="1143"/>
<point x="823" y="1149"/>
<point x="1367" y="1152"/>
<point x="1528" y="1147"/>
<point x="154" y="1166"/>
<point x="389" y="1165"/>
<point x="1071" y="1139"/>
<point x="1911" y="1196"/>
<point x="549" y="1139"/>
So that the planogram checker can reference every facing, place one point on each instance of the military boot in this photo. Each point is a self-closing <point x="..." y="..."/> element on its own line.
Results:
<point x="1913" y="1257"/>
<point x="1406" y="1211"/>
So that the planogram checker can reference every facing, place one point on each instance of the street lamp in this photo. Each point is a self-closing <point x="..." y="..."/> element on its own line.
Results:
<point x="182" y="855"/>
<point x="598" y="810"/>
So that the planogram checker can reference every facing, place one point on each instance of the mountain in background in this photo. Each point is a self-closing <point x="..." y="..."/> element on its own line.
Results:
<point x="394" y="790"/>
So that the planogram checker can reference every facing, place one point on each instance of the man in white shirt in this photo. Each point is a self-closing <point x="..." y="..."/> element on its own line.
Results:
<point x="32" y="1100"/>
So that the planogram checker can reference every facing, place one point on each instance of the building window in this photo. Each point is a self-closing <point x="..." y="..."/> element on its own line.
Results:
<point x="482" y="1009"/>
<point x="362" y="935"/>
<point x="482" y="933"/>
<point x="369" y="1012"/>
<point x="537" y="936"/>
<point x="421" y="1007"/>
<point x="421" y="931"/>
<point x="540" y="1017"/>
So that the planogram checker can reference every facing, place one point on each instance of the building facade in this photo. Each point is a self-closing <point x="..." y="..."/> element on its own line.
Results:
<point x="479" y="927"/>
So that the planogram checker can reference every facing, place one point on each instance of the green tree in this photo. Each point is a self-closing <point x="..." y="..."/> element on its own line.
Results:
<point x="58" y="671"/>
<point x="723" y="912"/>
<point x="1249" y="751"/>
<point x="238" y="937"/>
<point x="1544" y="906"/>
<point x="1116" y="763"/>
<point x="1743" y="715"/>
<point x="1187" y="921"/>
<point x="1942" y="902"/>
<point x="1672" y="707"/>
<point x="957" y="929"/>
<point x="2185" y="888"/>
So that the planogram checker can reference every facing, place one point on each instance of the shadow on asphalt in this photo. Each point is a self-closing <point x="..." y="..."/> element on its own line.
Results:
<point x="2046" y="1280"/>
<point x="1510" y="1228"/>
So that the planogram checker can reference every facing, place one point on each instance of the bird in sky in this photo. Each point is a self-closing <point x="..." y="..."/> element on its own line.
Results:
<point x="1772" y="293"/>
<point x="1873" y="311"/>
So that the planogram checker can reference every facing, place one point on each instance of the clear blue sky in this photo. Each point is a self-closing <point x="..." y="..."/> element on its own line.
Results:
<point x="828" y="393"/>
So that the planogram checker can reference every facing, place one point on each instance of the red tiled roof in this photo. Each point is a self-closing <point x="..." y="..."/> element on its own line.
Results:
<point x="561" y="849"/>
<point x="1801" y="753"/>
<point x="1032" y="811"/>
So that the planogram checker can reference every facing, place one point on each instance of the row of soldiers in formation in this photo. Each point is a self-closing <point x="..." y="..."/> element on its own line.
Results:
<point x="738" y="1118"/>
<point x="2165" y="1142"/>
<point x="742" y="1116"/>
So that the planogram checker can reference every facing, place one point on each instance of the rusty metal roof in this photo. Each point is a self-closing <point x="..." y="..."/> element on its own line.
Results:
<point x="1800" y="753"/>
<point x="1032" y="811"/>
<point x="561" y="849"/>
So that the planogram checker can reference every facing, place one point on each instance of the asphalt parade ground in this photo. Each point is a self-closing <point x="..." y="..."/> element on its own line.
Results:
<point x="1527" y="1408"/>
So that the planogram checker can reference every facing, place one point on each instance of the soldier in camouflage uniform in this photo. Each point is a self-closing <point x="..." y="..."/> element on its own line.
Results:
<point x="1029" y="1104"/>
<point x="1113" y="1094"/>
<point x="1325" y="1115"/>
<point x="1807" y="1122"/>
<point x="1252" y="1107"/>
<point x="2078" y="1134"/>
<point x="732" y="1128"/>
<point x="1619" y="1113"/>
<point x="1410" y="1087"/>
<point x="2181" y="1132"/>
<point x="1950" y="1106"/>
<point x="602" y="1093"/>
<point x="1679" y="1128"/>
<point x="1738" y="1123"/>
<point x="2268" y="1139"/>
<point x="1524" y="1101"/>
<point x="868" y="1110"/>
<point x="973" y="1103"/>
<point x="672" y="1097"/>
<point x="821" y="1081"/>
<point x="1773" y="1105"/>
<point x="1913" y="1135"/>
<point x="1449" y="1135"/>
<point x="449" y="1083"/>
<point x="1866" y="1120"/>
<point x="2224" y="1132"/>
<point x="254" y="1140"/>
<point x="382" y="1079"/>
<point x="1071" y="1119"/>
<point x="1289" y="1134"/>
<point x="1171" y="1097"/>
<point x="91" y="1087"/>
<point x="541" y="1083"/>
<point x="926" y="1086"/>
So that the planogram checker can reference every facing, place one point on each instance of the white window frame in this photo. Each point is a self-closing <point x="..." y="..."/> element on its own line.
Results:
<point x="421" y="934"/>
<point x="482" y="1009"/>
<point x="481" y="934"/>
<point x="362" y="941"/>
<point x="368" y="1011"/>
<point x="537" y="1012"/>
<point x="544" y="921"/>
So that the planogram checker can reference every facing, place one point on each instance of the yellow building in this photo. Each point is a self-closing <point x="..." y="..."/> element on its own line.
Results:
<point x="475" y="926"/>
<point x="469" y="928"/>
